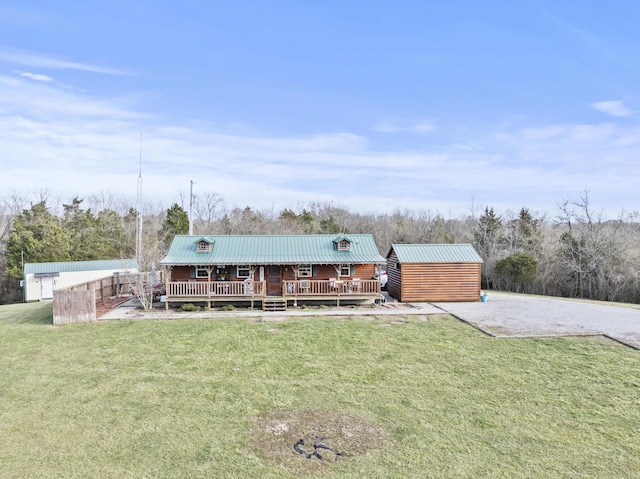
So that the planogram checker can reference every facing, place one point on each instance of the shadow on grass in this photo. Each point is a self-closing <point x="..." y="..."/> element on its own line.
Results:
<point x="27" y="313"/>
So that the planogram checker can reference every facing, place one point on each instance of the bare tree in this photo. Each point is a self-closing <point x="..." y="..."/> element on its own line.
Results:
<point x="590" y="250"/>
<point x="107" y="201"/>
<point x="206" y="206"/>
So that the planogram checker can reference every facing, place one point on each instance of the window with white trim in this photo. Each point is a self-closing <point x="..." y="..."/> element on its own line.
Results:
<point x="202" y="247"/>
<point x="344" y="245"/>
<point x="305" y="271"/>
<point x="345" y="270"/>
<point x="202" y="273"/>
<point x="243" y="272"/>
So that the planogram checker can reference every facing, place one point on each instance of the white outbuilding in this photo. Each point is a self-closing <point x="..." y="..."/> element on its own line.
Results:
<point x="41" y="279"/>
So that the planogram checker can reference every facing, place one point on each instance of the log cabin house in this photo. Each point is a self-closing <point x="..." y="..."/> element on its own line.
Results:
<point x="274" y="270"/>
<point x="434" y="272"/>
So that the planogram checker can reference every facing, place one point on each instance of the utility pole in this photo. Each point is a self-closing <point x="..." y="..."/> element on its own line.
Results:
<point x="140" y="280"/>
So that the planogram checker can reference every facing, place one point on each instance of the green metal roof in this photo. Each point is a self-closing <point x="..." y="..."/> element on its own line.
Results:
<point x="77" y="266"/>
<point x="272" y="250"/>
<point x="435" y="253"/>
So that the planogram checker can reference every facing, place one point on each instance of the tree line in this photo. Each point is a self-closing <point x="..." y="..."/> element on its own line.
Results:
<point x="578" y="253"/>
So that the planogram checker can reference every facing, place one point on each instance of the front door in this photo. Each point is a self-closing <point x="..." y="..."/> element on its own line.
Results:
<point x="46" y="287"/>
<point x="274" y="281"/>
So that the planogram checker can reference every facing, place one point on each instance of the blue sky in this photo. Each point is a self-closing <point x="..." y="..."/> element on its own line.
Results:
<point x="371" y="105"/>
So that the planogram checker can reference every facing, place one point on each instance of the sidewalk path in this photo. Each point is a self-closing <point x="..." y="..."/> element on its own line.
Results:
<point x="131" y="310"/>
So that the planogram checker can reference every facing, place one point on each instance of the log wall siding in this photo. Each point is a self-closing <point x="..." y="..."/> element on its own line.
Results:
<point x="416" y="282"/>
<point x="440" y="282"/>
<point x="394" y="280"/>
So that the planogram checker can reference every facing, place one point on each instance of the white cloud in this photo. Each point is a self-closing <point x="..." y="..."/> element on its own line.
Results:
<point x="424" y="127"/>
<point x="542" y="133"/>
<point x="45" y="99"/>
<point x="613" y="108"/>
<point x="40" y="60"/>
<point x="470" y="146"/>
<point x="76" y="144"/>
<point x="35" y="76"/>
<point x="592" y="133"/>
<point x="419" y="128"/>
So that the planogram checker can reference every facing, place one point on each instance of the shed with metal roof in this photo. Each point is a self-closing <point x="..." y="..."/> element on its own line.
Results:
<point x="434" y="272"/>
<point x="41" y="279"/>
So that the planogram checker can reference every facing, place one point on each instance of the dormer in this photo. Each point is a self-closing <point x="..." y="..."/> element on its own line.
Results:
<point x="204" y="245"/>
<point x="342" y="243"/>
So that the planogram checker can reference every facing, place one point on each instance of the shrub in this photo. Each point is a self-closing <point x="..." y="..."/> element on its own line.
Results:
<point x="189" y="307"/>
<point x="517" y="271"/>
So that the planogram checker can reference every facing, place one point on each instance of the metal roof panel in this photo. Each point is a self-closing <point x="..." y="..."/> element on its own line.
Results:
<point x="272" y="249"/>
<point x="77" y="266"/>
<point x="436" y="253"/>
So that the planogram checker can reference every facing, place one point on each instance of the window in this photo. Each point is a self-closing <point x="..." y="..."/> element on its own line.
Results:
<point x="202" y="272"/>
<point x="202" y="247"/>
<point x="243" y="272"/>
<point x="345" y="270"/>
<point x="344" y="245"/>
<point x="305" y="271"/>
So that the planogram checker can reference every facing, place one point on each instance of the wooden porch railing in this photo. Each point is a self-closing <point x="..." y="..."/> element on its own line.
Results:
<point x="316" y="288"/>
<point x="336" y="287"/>
<point x="209" y="289"/>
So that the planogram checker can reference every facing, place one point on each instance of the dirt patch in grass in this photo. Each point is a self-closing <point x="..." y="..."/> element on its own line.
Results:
<point x="308" y="441"/>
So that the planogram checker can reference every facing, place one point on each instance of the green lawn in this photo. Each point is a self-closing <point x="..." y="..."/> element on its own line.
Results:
<point x="229" y="398"/>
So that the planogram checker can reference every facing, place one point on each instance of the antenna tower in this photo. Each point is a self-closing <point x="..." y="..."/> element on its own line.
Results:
<point x="190" y="209"/>
<point x="139" y="212"/>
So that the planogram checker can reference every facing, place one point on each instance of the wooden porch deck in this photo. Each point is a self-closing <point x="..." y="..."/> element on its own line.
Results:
<point x="252" y="291"/>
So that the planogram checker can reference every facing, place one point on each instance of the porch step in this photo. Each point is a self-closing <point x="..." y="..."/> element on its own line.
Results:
<point x="274" y="304"/>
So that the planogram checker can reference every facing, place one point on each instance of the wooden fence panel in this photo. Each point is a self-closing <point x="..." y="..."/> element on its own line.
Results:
<point x="72" y="307"/>
<point x="77" y="304"/>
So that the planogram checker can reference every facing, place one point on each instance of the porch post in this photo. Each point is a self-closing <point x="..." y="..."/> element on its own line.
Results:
<point x="167" y="279"/>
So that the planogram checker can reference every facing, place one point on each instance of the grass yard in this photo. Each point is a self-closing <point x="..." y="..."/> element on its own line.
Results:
<point x="393" y="397"/>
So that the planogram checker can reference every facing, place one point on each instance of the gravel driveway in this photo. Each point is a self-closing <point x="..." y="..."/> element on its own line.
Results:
<point x="507" y="315"/>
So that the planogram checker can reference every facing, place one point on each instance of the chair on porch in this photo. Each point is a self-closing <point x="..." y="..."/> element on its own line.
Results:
<point x="247" y="286"/>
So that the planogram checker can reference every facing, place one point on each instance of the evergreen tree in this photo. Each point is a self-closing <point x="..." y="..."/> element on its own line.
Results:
<point x="175" y="223"/>
<point x="81" y="228"/>
<point x="110" y="230"/>
<point x="488" y="236"/>
<point x="517" y="271"/>
<point x="38" y="238"/>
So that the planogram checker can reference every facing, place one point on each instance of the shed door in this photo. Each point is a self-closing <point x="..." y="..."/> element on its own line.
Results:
<point x="274" y="280"/>
<point x="46" y="288"/>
